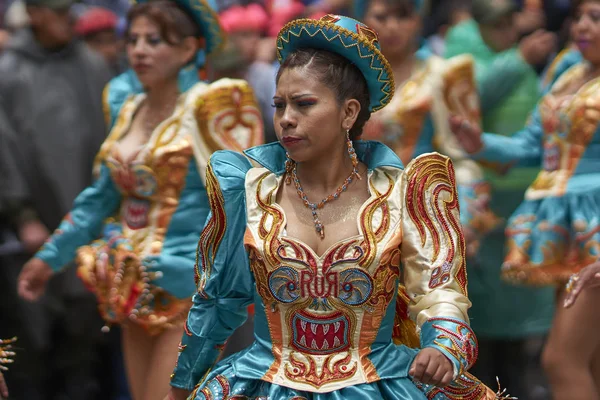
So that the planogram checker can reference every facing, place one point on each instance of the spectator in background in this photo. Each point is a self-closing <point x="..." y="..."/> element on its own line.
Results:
<point x="98" y="28"/>
<point x="510" y="322"/>
<point x="119" y="7"/>
<point x="491" y="36"/>
<point x="444" y="14"/>
<point x="51" y="117"/>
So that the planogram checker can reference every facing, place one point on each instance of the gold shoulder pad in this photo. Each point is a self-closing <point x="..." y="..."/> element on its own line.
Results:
<point x="460" y="89"/>
<point x="228" y="116"/>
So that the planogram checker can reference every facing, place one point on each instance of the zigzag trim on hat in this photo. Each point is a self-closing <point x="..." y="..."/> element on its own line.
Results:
<point x="342" y="34"/>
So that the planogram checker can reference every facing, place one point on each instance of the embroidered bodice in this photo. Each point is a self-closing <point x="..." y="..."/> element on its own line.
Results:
<point x="315" y="305"/>
<point x="571" y="141"/>
<point x="326" y="322"/>
<point x="562" y="136"/>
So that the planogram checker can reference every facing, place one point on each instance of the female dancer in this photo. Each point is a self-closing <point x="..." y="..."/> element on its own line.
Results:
<point x="416" y="121"/>
<point x="148" y="203"/>
<point x="6" y="355"/>
<point x="324" y="274"/>
<point x="556" y="231"/>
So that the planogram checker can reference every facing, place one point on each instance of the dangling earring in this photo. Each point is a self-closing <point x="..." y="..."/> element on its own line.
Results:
<point x="289" y="167"/>
<point x="352" y="154"/>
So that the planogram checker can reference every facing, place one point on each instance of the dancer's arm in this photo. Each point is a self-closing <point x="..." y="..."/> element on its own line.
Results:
<point x="433" y="255"/>
<point x="223" y="277"/>
<point x="523" y="148"/>
<point x="84" y="223"/>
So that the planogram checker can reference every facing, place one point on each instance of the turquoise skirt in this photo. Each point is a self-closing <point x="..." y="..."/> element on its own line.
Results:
<point x="552" y="238"/>
<point x="224" y="383"/>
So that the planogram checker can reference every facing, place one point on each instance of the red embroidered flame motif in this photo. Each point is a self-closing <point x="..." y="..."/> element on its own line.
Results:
<point x="433" y="174"/>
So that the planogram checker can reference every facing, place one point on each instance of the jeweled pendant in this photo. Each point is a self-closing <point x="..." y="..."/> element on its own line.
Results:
<point x="320" y="229"/>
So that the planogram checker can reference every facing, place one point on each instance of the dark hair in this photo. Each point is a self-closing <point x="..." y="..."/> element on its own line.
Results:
<point x="338" y="74"/>
<point x="400" y="8"/>
<point x="173" y="22"/>
<point x="442" y="13"/>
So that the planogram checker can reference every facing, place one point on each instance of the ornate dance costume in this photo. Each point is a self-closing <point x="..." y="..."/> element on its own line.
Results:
<point x="555" y="232"/>
<point x="134" y="232"/>
<point x="416" y="122"/>
<point x="324" y="325"/>
<point x="149" y="209"/>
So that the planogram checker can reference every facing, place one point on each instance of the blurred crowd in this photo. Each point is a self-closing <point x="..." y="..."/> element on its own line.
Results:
<point x="55" y="58"/>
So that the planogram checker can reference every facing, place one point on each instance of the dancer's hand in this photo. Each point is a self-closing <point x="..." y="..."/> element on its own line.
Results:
<point x="467" y="133"/>
<point x="432" y="367"/>
<point x="177" y="394"/>
<point x="587" y="278"/>
<point x="3" y="387"/>
<point x="537" y="47"/>
<point x="33" y="279"/>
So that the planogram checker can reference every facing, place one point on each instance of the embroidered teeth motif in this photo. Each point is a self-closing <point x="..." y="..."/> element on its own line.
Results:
<point x="336" y="327"/>
<point x="336" y="342"/>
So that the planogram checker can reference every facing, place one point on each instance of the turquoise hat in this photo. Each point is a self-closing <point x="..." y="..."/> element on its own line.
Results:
<point x="349" y="38"/>
<point x="204" y="14"/>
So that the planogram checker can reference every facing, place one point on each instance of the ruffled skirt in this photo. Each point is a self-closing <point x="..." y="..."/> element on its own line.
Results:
<point x="224" y="383"/>
<point x="552" y="238"/>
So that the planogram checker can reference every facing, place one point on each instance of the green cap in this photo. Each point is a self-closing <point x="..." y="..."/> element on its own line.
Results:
<point x="489" y="11"/>
<point x="52" y="4"/>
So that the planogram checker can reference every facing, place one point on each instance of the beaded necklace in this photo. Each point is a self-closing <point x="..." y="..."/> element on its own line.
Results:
<point x="313" y="207"/>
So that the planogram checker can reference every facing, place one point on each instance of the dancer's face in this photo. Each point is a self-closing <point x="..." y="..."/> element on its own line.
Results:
<point x="586" y="31"/>
<point x="501" y="34"/>
<point x="154" y="60"/>
<point x="309" y="121"/>
<point x="397" y="26"/>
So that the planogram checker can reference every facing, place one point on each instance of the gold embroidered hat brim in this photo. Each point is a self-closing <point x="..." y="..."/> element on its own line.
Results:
<point x="349" y="38"/>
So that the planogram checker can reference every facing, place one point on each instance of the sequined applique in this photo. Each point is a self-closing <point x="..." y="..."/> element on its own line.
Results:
<point x="213" y="232"/>
<point x="228" y="118"/>
<point x="434" y="174"/>
<point x="460" y="342"/>
<point x="316" y="305"/>
<point x="460" y="92"/>
<point x="332" y="369"/>
<point x="465" y="387"/>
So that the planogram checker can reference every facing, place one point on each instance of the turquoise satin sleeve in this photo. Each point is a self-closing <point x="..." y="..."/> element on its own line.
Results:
<point x="524" y="148"/>
<point x="175" y="263"/>
<point x="454" y="338"/>
<point x="225" y="283"/>
<point x="466" y="196"/>
<point x="84" y="223"/>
